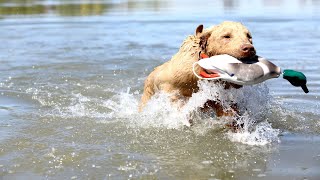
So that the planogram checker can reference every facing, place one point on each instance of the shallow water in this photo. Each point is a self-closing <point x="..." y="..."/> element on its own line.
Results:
<point x="72" y="73"/>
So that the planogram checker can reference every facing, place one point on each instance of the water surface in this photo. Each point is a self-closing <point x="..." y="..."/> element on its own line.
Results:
<point x="72" y="73"/>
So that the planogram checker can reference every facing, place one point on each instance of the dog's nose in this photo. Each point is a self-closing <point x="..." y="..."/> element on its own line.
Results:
<point x="246" y="48"/>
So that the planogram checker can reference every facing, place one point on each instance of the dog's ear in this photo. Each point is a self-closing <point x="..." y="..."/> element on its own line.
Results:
<point x="199" y="30"/>
<point x="203" y="40"/>
<point x="203" y="36"/>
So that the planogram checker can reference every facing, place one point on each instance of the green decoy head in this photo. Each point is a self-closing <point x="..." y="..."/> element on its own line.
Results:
<point x="296" y="78"/>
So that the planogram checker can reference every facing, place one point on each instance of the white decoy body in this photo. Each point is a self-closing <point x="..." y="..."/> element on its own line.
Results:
<point x="239" y="72"/>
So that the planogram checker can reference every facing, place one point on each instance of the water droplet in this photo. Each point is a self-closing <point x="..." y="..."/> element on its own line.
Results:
<point x="207" y="162"/>
<point x="261" y="175"/>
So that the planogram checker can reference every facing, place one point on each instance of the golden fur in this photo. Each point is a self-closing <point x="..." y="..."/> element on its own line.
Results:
<point x="176" y="76"/>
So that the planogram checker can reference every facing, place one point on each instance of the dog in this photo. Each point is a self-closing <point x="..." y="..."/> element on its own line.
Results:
<point x="176" y="76"/>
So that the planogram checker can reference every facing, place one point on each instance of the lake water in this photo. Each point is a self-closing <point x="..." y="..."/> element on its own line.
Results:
<point x="72" y="74"/>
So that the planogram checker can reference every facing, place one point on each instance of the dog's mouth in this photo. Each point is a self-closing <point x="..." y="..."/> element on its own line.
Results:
<point x="251" y="59"/>
<point x="247" y="57"/>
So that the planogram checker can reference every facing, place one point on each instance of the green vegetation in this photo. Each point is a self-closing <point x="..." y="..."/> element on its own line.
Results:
<point x="73" y="8"/>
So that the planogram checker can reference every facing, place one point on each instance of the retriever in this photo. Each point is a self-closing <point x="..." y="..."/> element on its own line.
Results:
<point x="176" y="76"/>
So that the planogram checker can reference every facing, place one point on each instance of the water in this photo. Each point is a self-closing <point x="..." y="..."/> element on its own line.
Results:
<point x="72" y="73"/>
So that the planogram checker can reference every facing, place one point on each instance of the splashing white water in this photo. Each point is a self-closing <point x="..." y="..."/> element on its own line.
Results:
<point x="262" y="134"/>
<point x="253" y="103"/>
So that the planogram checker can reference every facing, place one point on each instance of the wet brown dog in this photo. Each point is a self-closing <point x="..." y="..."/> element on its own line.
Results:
<point x="176" y="76"/>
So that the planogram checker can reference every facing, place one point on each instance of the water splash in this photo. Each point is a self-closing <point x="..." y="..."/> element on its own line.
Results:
<point x="254" y="103"/>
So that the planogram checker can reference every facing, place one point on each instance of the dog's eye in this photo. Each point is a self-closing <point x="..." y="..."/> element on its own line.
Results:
<point x="249" y="36"/>
<point x="227" y="36"/>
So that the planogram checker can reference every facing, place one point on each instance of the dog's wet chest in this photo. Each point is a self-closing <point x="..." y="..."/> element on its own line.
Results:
<point x="189" y="89"/>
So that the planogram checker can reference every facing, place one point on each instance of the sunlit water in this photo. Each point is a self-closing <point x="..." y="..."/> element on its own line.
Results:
<point x="71" y="78"/>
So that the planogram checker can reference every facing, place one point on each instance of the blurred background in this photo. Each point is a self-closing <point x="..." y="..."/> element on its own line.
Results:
<point x="99" y="7"/>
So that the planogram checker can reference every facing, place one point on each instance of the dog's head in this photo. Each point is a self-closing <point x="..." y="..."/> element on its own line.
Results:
<point x="231" y="38"/>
